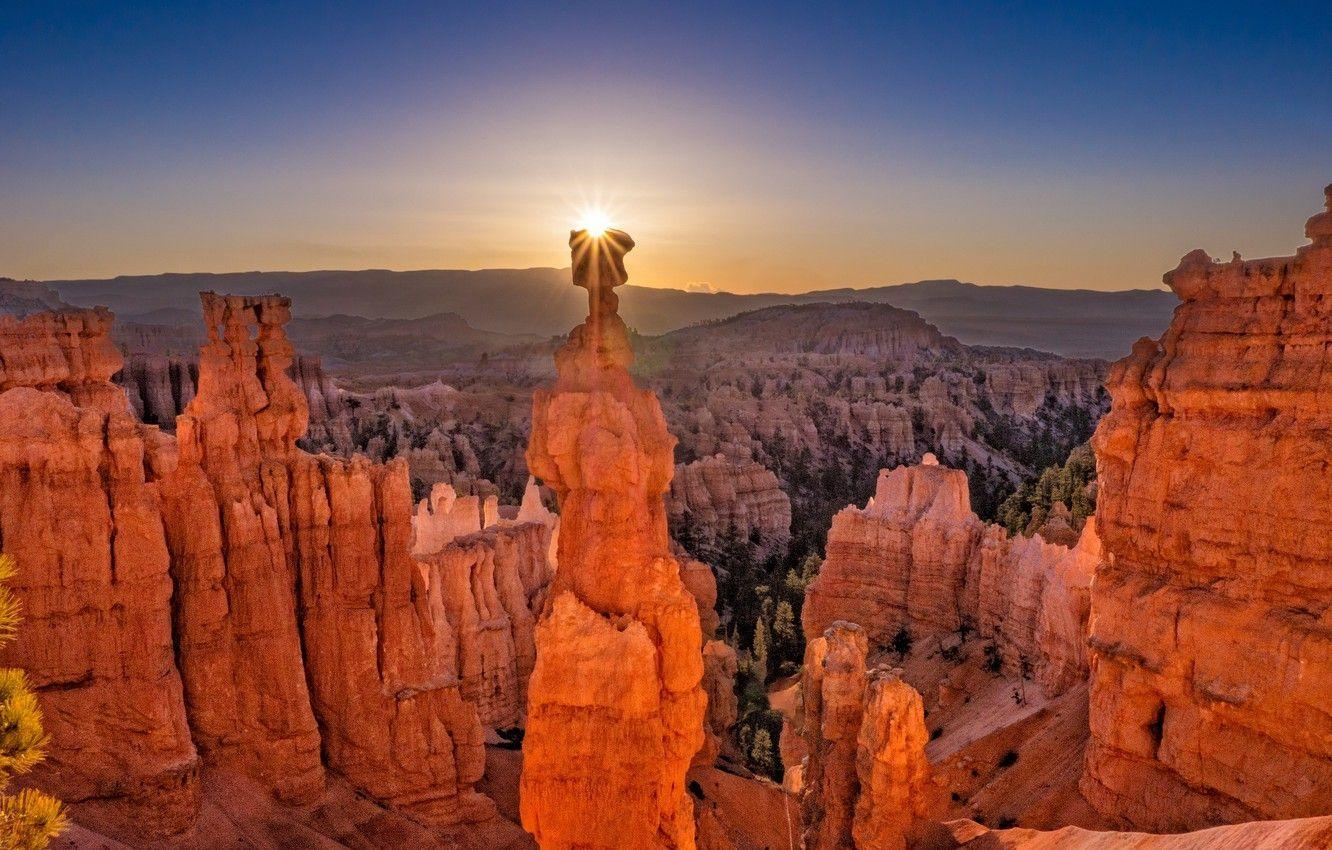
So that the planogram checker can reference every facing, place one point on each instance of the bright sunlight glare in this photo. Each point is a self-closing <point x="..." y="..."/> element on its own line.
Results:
<point x="594" y="221"/>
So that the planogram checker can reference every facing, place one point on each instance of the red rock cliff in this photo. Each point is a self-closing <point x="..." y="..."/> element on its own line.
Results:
<point x="227" y="591"/>
<point x="80" y="512"/>
<point x="615" y="711"/>
<point x="1212" y="614"/>
<point x="297" y="586"/>
<point x="867" y="777"/>
<point x="916" y="557"/>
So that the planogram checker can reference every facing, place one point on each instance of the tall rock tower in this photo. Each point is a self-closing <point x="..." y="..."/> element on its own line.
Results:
<point x="615" y="702"/>
<point x="1211" y="614"/>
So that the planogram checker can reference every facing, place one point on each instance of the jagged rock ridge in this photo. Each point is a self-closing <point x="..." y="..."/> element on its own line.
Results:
<point x="917" y="559"/>
<point x="228" y="555"/>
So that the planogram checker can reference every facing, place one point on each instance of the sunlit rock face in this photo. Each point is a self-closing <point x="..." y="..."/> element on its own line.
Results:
<point x="232" y="595"/>
<point x="493" y="575"/>
<point x="296" y="582"/>
<point x="866" y="778"/>
<point x="1212" y="614"/>
<point x="917" y="558"/>
<point x="80" y="513"/>
<point x="615" y="704"/>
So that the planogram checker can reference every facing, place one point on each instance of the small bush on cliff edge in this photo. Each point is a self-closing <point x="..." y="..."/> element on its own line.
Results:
<point x="29" y="819"/>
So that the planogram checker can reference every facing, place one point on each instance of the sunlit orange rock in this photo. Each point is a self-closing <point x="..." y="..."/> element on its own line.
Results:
<point x="79" y="511"/>
<point x="296" y="587"/>
<point x="615" y="705"/>
<point x="1212" y="613"/>
<point x="866" y="778"/>
<point x="917" y="558"/>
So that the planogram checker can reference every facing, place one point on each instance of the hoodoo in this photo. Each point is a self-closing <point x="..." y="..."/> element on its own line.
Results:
<point x="615" y="704"/>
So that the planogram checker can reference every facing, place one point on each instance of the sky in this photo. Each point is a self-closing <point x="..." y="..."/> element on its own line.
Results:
<point x="745" y="146"/>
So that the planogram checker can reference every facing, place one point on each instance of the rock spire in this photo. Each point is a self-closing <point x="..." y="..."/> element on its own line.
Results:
<point x="615" y="704"/>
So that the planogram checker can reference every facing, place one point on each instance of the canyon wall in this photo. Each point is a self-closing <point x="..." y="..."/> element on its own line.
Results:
<point x="917" y="558"/>
<point x="493" y="576"/>
<point x="615" y="702"/>
<point x="713" y="497"/>
<point x="1212" y="613"/>
<point x="223" y="597"/>
<point x="866" y="782"/>
<point x="80" y="513"/>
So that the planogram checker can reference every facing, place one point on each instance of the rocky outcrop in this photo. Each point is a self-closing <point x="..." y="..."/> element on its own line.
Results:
<point x="232" y="593"/>
<point x="444" y="516"/>
<point x="917" y="558"/>
<point x="227" y="511"/>
<point x="890" y="764"/>
<point x="720" y="666"/>
<point x="1264" y="835"/>
<point x="493" y="585"/>
<point x="80" y="513"/>
<point x="713" y="497"/>
<point x="615" y="704"/>
<point x="866" y="776"/>
<point x="295" y="582"/>
<point x="1212" y="613"/>
<point x="833" y="707"/>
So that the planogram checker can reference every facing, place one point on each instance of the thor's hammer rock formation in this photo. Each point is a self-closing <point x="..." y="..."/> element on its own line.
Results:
<point x="615" y="704"/>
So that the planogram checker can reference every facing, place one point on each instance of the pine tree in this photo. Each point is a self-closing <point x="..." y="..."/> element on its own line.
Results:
<point x="760" y="753"/>
<point x="28" y="819"/>
<point x="810" y="568"/>
<point x="784" y="630"/>
<point x="761" y="650"/>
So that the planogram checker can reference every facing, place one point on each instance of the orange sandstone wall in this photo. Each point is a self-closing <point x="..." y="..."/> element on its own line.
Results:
<point x="80" y="513"/>
<point x="867" y="781"/>
<point x="916" y="557"/>
<point x="220" y="590"/>
<point x="1212" y="614"/>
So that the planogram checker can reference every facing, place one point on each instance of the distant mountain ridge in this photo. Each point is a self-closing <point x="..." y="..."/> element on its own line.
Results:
<point x="540" y="301"/>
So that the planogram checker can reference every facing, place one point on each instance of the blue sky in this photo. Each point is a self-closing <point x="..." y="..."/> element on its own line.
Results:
<point x="746" y="146"/>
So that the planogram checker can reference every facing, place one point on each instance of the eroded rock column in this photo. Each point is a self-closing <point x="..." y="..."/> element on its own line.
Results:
<point x="867" y="781"/>
<point x="615" y="706"/>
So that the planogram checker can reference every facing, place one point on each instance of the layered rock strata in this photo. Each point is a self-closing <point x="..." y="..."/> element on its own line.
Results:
<point x="713" y="497"/>
<point x="80" y="512"/>
<point x="615" y="704"/>
<point x="917" y="558"/>
<point x="1212" y="613"/>
<point x="866" y="775"/>
<point x="493" y="583"/>
<point x="232" y="593"/>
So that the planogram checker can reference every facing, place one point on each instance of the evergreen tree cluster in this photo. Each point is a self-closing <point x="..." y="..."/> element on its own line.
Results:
<point x="29" y="819"/>
<point x="1067" y="484"/>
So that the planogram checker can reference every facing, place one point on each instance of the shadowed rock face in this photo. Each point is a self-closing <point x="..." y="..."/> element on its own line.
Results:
<point x="615" y="705"/>
<point x="1211" y="624"/>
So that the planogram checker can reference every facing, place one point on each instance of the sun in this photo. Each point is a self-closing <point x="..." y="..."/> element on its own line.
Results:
<point x="594" y="221"/>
